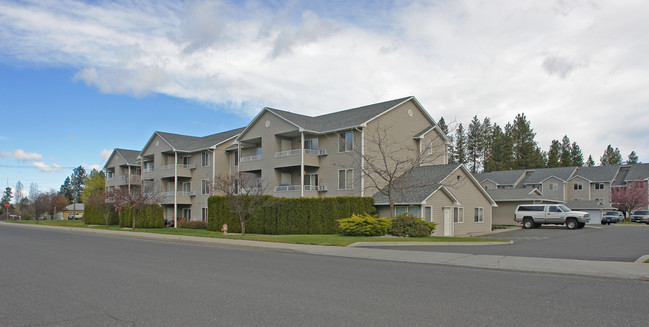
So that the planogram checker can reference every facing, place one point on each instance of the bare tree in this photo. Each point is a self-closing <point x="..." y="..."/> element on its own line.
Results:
<point x="136" y="201"/>
<point x="243" y="193"/>
<point x="385" y="158"/>
<point x="57" y="202"/>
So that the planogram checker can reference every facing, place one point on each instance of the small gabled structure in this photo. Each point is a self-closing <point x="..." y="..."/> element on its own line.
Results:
<point x="503" y="179"/>
<point x="442" y="194"/>
<point x="509" y="199"/>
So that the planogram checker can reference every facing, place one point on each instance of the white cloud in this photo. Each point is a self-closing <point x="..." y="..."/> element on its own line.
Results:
<point x="45" y="167"/>
<point x="20" y="154"/>
<point x="105" y="154"/>
<point x="573" y="67"/>
<point x="89" y="168"/>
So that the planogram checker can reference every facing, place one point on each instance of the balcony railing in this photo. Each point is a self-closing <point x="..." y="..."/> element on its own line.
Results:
<point x="180" y="193"/>
<point x="297" y="152"/>
<point x="320" y="188"/>
<point x="181" y="166"/>
<point x="250" y="158"/>
<point x="148" y="169"/>
<point x="287" y="188"/>
<point x="134" y="178"/>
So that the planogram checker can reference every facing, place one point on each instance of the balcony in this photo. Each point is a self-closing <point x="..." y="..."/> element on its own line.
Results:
<point x="124" y="180"/>
<point x="250" y="163"/>
<point x="293" y="158"/>
<point x="293" y="191"/>
<point x="183" y="170"/>
<point x="181" y="198"/>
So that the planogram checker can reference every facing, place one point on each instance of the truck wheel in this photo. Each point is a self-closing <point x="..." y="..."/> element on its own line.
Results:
<point x="603" y="222"/>
<point x="581" y="225"/>
<point x="528" y="223"/>
<point x="571" y="223"/>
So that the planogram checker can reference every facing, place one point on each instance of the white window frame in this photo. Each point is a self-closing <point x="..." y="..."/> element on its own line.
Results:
<point x="312" y="144"/>
<point x="457" y="218"/>
<point x="205" y="159"/>
<point x="204" y="214"/>
<point x="408" y="209"/>
<point x="428" y="210"/>
<point x="205" y="186"/>
<point x="189" y="211"/>
<point x="553" y="186"/>
<point x="599" y="186"/>
<point x="577" y="186"/>
<point x="478" y="216"/>
<point x="346" y="142"/>
<point x="348" y="179"/>
<point x="188" y="160"/>
<point x="188" y="189"/>
<point x="429" y="148"/>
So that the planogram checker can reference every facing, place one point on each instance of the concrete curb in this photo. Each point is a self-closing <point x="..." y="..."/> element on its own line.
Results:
<point x="607" y="269"/>
<point x="364" y="244"/>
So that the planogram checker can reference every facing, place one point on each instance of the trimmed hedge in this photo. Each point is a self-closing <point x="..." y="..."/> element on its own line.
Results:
<point x="290" y="216"/>
<point x="364" y="225"/>
<point x="95" y="216"/>
<point x="407" y="225"/>
<point x="150" y="217"/>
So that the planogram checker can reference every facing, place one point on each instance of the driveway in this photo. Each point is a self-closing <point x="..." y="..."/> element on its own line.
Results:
<point x="622" y="243"/>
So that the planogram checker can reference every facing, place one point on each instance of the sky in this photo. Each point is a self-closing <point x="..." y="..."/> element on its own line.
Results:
<point x="79" y="78"/>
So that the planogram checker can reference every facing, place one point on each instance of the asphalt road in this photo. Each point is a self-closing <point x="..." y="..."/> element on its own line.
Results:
<point x="54" y="278"/>
<point x="621" y="243"/>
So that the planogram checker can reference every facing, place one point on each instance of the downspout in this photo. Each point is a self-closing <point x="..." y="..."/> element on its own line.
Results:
<point x="175" y="189"/>
<point x="302" y="164"/>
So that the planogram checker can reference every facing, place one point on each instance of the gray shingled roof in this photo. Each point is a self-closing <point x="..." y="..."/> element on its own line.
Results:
<point x="418" y="185"/>
<point x="587" y="205"/>
<point x="188" y="143"/>
<point x="503" y="177"/>
<point x="637" y="172"/>
<point x="516" y="194"/>
<point x="338" y="120"/>
<point x="539" y="175"/>
<point x="598" y="173"/>
<point x="129" y="155"/>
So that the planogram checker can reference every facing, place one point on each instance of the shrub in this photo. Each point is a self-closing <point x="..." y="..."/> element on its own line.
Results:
<point x="150" y="217"/>
<point x="407" y="225"/>
<point x="194" y="225"/>
<point x="364" y="225"/>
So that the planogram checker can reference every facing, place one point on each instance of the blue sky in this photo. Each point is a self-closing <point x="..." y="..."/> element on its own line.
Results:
<point x="78" y="79"/>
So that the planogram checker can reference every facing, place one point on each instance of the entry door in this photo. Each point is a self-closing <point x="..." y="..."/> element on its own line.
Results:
<point x="448" y="222"/>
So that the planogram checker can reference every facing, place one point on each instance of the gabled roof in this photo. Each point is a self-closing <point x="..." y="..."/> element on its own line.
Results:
<point x="187" y="143"/>
<point x="518" y="194"/>
<point x="587" y="205"/>
<point x="503" y="177"/>
<point x="129" y="156"/>
<point x="538" y="176"/>
<point x="637" y="172"/>
<point x="422" y="182"/>
<point x="597" y="173"/>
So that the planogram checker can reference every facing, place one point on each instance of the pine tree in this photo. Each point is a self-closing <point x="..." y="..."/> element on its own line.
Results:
<point x="451" y="148"/>
<point x="474" y="144"/>
<point x="76" y="180"/>
<point x="611" y="156"/>
<point x="66" y="190"/>
<point x="590" y="162"/>
<point x="554" y="154"/>
<point x="526" y="152"/>
<point x="566" y="157"/>
<point x="576" y="156"/>
<point x="501" y="156"/>
<point x="633" y="158"/>
<point x="487" y="139"/>
<point x="460" y="145"/>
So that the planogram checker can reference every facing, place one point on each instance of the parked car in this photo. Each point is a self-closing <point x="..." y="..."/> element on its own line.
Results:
<point x="640" y="216"/>
<point x="75" y="216"/>
<point x="612" y="217"/>
<point x="534" y="215"/>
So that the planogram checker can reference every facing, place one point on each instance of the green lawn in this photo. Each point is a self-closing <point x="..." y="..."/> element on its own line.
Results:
<point x="336" y="240"/>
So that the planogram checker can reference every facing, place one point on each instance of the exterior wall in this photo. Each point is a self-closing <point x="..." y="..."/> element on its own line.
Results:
<point x="438" y="201"/>
<point x="470" y="198"/>
<point x="583" y="194"/>
<point x="603" y="195"/>
<point x="489" y="185"/>
<point x="556" y="194"/>
<point x="504" y="213"/>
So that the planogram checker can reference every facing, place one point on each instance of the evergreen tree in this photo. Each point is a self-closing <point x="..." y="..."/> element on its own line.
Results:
<point x="554" y="154"/>
<point x="66" y="190"/>
<point x="6" y="195"/>
<point x="444" y="127"/>
<point x="633" y="158"/>
<point x="611" y="156"/>
<point x="501" y="156"/>
<point x="76" y="180"/>
<point x="487" y="139"/>
<point x="566" y="156"/>
<point x="576" y="156"/>
<point x="526" y="152"/>
<point x="590" y="162"/>
<point x="474" y="144"/>
<point x="460" y="145"/>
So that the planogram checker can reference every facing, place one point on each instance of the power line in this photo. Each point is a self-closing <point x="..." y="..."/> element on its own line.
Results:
<point x="31" y="166"/>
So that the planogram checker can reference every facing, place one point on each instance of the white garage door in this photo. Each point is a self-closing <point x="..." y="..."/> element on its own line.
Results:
<point x="595" y="216"/>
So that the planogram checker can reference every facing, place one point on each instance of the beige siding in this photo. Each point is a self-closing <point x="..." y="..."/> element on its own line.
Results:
<point x="438" y="201"/>
<point x="470" y="198"/>
<point x="572" y="194"/>
<point x="504" y="213"/>
<point x="556" y="194"/>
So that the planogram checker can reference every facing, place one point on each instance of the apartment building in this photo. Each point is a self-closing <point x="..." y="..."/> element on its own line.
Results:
<point x="293" y="155"/>
<point x="123" y="170"/>
<point x="179" y="169"/>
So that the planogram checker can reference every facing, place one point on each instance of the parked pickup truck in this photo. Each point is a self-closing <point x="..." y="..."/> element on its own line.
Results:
<point x="534" y="215"/>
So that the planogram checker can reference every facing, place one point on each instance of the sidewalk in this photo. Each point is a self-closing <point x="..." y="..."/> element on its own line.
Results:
<point x="622" y="270"/>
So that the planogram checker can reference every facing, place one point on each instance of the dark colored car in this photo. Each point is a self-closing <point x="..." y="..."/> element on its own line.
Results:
<point x="640" y="216"/>
<point x="612" y="217"/>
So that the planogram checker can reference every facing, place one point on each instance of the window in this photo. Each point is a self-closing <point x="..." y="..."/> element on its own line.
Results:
<point x="204" y="215"/>
<point x="186" y="160"/>
<point x="599" y="186"/>
<point x="205" y="159"/>
<point x="187" y="213"/>
<point x="458" y="215"/>
<point x="205" y="186"/>
<point x="311" y="144"/>
<point x="148" y="166"/>
<point x="236" y="158"/>
<point x="428" y="213"/>
<point x="345" y="179"/>
<point x="187" y="187"/>
<point x="479" y="215"/>
<point x="554" y="209"/>
<point x="311" y="182"/>
<point x="553" y="186"/>
<point x="577" y="186"/>
<point x="346" y="142"/>
<point x="413" y="210"/>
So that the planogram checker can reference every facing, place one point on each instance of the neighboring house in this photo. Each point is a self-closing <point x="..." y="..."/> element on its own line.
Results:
<point x="595" y="209"/>
<point x="180" y="170"/>
<point x="504" y="179"/>
<point x="75" y="209"/>
<point x="509" y="199"/>
<point x="592" y="184"/>
<point x="123" y="170"/>
<point x="551" y="182"/>
<point x="294" y="155"/>
<point x="447" y="195"/>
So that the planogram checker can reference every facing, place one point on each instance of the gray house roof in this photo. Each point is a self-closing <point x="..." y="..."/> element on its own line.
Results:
<point x="129" y="155"/>
<point x="539" y="175"/>
<point x="598" y="173"/>
<point x="518" y="194"/>
<point x="637" y="172"/>
<point x="186" y="143"/>
<point x="503" y="177"/>
<point x="587" y="205"/>
<point x="418" y="185"/>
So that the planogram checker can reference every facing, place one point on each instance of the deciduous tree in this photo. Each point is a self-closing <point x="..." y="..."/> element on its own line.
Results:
<point x="243" y="193"/>
<point x="630" y="197"/>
